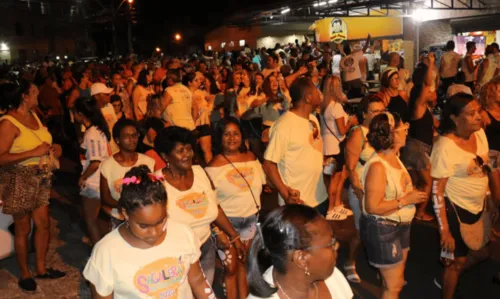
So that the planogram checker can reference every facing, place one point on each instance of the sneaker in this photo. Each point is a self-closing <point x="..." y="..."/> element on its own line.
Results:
<point x="342" y="210"/>
<point x="335" y="216"/>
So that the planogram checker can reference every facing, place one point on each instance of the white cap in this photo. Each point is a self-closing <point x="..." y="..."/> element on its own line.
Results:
<point x="98" y="88"/>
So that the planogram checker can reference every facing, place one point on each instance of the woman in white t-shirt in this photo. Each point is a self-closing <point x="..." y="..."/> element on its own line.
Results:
<point x="388" y="203"/>
<point x="141" y="93"/>
<point x="200" y="114"/>
<point x="95" y="145"/>
<point x="238" y="178"/>
<point x="191" y="195"/>
<point x="299" y="250"/>
<point x="149" y="256"/>
<point x="113" y="169"/>
<point x="335" y="123"/>
<point x="461" y="175"/>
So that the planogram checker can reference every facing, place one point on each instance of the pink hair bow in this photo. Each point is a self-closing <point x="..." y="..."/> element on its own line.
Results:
<point x="131" y="180"/>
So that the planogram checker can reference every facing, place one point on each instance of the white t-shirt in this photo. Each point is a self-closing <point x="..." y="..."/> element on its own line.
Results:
<point x="467" y="184"/>
<point x="331" y="142"/>
<point x="96" y="148"/>
<point x="115" y="267"/>
<point x="457" y="88"/>
<point x="450" y="60"/>
<point x="337" y="285"/>
<point x="196" y="207"/>
<point x="397" y="186"/>
<point x="113" y="172"/>
<point x="490" y="72"/>
<point x="336" y="64"/>
<point x="140" y="95"/>
<point x="350" y="66"/>
<point x="110" y="116"/>
<point x="299" y="156"/>
<point x="179" y="111"/>
<point x="232" y="190"/>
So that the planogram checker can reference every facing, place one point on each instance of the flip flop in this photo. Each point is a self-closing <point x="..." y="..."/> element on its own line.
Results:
<point x="351" y="274"/>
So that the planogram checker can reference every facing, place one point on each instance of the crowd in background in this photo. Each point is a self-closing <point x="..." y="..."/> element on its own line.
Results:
<point x="210" y="133"/>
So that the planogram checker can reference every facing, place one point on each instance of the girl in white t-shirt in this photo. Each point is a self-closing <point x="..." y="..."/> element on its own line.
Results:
<point x="238" y="178"/>
<point x="191" y="194"/>
<point x="95" y="147"/>
<point x="114" y="168"/>
<point x="302" y="251"/>
<point x="335" y="123"/>
<point x="141" y="93"/>
<point x="148" y="256"/>
<point x="461" y="175"/>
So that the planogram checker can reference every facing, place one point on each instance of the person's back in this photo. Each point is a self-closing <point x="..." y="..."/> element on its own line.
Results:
<point x="449" y="62"/>
<point x="178" y="112"/>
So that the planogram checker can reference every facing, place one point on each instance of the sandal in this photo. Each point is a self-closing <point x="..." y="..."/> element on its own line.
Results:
<point x="351" y="274"/>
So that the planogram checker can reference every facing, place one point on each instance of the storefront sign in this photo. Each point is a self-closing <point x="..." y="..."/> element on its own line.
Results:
<point x="355" y="28"/>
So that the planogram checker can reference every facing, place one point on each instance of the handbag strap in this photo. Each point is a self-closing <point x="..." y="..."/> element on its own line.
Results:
<point x="328" y="127"/>
<point x="243" y="177"/>
<point x="456" y="212"/>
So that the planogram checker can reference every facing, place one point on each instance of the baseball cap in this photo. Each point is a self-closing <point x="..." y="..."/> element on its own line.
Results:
<point x="98" y="88"/>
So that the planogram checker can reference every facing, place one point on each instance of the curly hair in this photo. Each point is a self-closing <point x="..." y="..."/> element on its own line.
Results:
<point x="146" y="190"/>
<point x="381" y="133"/>
<point x="169" y="137"/>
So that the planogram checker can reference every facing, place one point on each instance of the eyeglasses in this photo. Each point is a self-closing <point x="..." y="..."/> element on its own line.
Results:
<point x="405" y="127"/>
<point x="378" y="111"/>
<point x="333" y="244"/>
<point x="480" y="163"/>
<point x="315" y="129"/>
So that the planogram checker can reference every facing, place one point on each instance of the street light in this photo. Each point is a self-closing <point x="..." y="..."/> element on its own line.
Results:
<point x="158" y="49"/>
<point x="130" y="1"/>
<point x="177" y="37"/>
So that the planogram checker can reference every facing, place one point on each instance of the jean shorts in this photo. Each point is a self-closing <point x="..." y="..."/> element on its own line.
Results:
<point x="246" y="227"/>
<point x="90" y="193"/>
<point x="384" y="240"/>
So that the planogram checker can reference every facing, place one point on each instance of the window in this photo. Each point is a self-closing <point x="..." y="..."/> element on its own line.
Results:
<point x="242" y="42"/>
<point x="222" y="45"/>
<point x="231" y="44"/>
<point x="209" y="48"/>
<point x="19" y="29"/>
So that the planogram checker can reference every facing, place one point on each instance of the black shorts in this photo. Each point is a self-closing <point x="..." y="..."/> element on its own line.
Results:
<point x="466" y="217"/>
<point x="339" y="162"/>
<point x="202" y="131"/>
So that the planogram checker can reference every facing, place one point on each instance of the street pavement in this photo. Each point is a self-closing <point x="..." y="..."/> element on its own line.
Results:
<point x="68" y="253"/>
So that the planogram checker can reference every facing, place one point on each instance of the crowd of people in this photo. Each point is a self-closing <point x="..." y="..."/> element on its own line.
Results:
<point x="175" y="155"/>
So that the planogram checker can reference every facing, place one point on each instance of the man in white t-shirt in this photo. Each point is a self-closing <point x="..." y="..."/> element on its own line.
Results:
<point x="351" y="73"/>
<point x="448" y="68"/>
<point x="102" y="94"/>
<point x="293" y="161"/>
<point x="178" y="101"/>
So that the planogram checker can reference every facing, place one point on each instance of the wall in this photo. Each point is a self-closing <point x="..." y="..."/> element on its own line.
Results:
<point x="232" y="34"/>
<point x="271" y="41"/>
<point x="434" y="32"/>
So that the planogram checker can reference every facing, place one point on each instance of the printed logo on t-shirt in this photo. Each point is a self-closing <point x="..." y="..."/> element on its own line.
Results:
<point x="476" y="170"/>
<point x="118" y="185"/>
<point x="234" y="177"/>
<point x="195" y="204"/>
<point x="161" y="278"/>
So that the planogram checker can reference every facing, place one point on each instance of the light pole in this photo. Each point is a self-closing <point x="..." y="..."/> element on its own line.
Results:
<point x="114" y="12"/>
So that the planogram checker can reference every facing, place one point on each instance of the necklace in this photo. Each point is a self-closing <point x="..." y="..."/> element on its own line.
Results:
<point x="286" y="295"/>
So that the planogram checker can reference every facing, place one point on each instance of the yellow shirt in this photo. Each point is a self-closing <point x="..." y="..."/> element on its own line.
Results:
<point x="28" y="139"/>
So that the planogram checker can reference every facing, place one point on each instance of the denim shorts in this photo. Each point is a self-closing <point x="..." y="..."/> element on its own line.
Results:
<point x="90" y="193"/>
<point x="207" y="259"/>
<point x="384" y="241"/>
<point x="246" y="227"/>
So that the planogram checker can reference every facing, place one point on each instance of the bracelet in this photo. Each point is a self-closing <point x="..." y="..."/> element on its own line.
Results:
<point x="232" y="240"/>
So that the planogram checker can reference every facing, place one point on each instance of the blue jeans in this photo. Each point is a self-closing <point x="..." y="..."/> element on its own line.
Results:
<point x="246" y="227"/>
